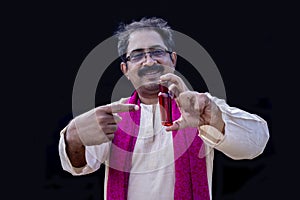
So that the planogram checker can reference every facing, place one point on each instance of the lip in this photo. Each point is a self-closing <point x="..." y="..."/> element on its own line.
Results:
<point x="152" y="74"/>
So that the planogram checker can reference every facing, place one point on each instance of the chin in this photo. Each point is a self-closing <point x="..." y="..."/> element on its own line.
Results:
<point x="153" y="86"/>
<point x="149" y="89"/>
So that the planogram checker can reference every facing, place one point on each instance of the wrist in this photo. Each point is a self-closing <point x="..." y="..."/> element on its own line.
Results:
<point x="72" y="138"/>
<point x="220" y="125"/>
<point x="210" y="134"/>
<point x="216" y="118"/>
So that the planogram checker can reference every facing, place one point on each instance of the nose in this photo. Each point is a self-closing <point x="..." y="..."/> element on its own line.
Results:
<point x="148" y="60"/>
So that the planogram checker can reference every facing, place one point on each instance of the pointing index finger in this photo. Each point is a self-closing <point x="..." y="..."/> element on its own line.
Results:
<point x="121" y="107"/>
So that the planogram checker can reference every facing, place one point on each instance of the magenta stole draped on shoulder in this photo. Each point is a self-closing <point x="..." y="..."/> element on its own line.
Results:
<point x="190" y="170"/>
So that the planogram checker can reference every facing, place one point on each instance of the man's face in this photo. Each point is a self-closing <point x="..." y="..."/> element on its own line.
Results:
<point x="144" y="72"/>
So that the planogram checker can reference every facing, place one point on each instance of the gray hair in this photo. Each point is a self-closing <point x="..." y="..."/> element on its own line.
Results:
<point x="156" y="24"/>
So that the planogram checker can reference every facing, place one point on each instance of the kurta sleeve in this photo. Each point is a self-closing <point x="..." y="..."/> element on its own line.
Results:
<point x="95" y="156"/>
<point x="246" y="134"/>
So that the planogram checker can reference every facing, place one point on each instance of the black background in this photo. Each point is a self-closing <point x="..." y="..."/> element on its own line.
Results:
<point x="45" y="44"/>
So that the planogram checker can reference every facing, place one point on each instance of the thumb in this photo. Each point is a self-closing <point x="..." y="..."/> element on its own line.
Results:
<point x="177" y="125"/>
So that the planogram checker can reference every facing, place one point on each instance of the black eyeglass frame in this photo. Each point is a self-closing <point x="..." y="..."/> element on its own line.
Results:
<point x="126" y="59"/>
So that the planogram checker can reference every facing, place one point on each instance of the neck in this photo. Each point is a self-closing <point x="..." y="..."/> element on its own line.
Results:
<point x="148" y="101"/>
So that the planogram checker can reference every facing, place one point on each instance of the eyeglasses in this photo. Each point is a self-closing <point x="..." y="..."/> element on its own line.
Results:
<point x="138" y="55"/>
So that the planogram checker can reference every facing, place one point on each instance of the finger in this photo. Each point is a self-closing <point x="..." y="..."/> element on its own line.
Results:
<point x="170" y="77"/>
<point x="110" y="118"/>
<point x="110" y="136"/>
<point x="177" y="125"/>
<point x="174" y="90"/>
<point x="117" y="118"/>
<point x="120" y="107"/>
<point x="162" y="94"/>
<point x="109" y="128"/>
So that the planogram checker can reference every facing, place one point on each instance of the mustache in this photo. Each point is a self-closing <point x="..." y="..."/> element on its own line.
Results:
<point x="146" y="69"/>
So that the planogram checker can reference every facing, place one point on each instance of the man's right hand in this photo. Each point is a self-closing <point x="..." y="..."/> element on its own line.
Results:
<point x="97" y="125"/>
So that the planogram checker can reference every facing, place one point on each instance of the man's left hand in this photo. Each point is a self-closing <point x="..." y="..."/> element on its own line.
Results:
<point x="196" y="108"/>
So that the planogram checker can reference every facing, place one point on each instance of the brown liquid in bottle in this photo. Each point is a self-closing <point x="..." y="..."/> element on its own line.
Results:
<point x="165" y="105"/>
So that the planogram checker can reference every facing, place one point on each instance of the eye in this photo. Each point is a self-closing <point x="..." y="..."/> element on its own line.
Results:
<point x="158" y="52"/>
<point x="137" y="55"/>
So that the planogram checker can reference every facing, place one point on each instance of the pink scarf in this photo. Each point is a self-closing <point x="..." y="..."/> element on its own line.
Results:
<point x="190" y="170"/>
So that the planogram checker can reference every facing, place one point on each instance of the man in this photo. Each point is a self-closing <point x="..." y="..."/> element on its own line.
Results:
<point x="144" y="159"/>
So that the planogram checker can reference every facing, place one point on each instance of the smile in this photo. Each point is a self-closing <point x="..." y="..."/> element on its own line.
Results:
<point x="149" y="71"/>
<point x="152" y="72"/>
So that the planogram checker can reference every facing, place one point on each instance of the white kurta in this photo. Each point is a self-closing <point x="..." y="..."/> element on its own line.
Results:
<point x="153" y="174"/>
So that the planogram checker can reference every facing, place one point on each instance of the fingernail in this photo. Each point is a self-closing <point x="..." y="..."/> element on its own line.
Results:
<point x="136" y="107"/>
<point x="171" y="94"/>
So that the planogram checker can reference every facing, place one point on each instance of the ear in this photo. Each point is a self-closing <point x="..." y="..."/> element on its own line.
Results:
<point x="124" y="69"/>
<point x="174" y="58"/>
